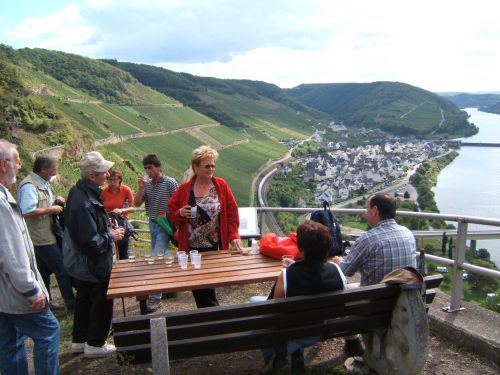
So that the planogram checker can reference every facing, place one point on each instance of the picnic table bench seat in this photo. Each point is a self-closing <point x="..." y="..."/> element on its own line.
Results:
<point x="392" y="318"/>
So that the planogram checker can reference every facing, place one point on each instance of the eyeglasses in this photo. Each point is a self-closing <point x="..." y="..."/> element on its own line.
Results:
<point x="208" y="166"/>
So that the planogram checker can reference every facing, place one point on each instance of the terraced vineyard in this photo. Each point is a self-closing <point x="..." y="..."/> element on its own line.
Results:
<point x="224" y="134"/>
<point x="172" y="118"/>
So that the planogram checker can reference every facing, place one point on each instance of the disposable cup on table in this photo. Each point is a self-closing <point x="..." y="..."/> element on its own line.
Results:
<point x="179" y="253"/>
<point x="169" y="258"/>
<point x="191" y="253"/>
<point x="196" y="260"/>
<point x="183" y="261"/>
<point x="131" y="258"/>
<point x="287" y="260"/>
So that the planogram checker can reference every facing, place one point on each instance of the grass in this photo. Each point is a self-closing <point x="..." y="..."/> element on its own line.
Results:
<point x="172" y="118"/>
<point x="224" y="135"/>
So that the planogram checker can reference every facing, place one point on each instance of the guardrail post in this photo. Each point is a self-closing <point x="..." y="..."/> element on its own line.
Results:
<point x="459" y="258"/>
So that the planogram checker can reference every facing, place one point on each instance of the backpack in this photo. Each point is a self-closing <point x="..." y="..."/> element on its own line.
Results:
<point x="327" y="218"/>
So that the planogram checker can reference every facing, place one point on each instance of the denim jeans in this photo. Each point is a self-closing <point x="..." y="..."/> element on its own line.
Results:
<point x="49" y="260"/>
<point x="43" y="328"/>
<point x="159" y="239"/>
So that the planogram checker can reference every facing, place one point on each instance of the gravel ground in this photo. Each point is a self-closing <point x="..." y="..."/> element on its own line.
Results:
<point x="443" y="358"/>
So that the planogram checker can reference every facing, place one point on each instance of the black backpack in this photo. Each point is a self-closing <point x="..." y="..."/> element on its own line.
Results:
<point x="327" y="218"/>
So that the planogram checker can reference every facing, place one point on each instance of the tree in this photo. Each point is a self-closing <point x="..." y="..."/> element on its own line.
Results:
<point x="443" y="244"/>
<point x="450" y="248"/>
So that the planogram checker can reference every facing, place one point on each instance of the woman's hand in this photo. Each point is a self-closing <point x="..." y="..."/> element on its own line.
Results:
<point x="236" y="244"/>
<point x="118" y="211"/>
<point x="185" y="211"/>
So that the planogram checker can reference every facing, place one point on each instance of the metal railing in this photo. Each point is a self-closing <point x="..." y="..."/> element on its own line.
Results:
<point x="461" y="234"/>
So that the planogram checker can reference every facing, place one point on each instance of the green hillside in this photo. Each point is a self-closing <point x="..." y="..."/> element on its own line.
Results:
<point x="238" y="104"/>
<point x="68" y="104"/>
<point x="394" y="107"/>
<point x="484" y="102"/>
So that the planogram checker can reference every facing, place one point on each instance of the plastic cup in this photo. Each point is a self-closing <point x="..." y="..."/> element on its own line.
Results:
<point x="286" y="260"/>
<point x="169" y="258"/>
<point x="254" y="247"/>
<point x="196" y="260"/>
<point x="183" y="261"/>
<point x="194" y="209"/>
<point x="191" y="253"/>
<point x="131" y="258"/>
<point x="179" y="253"/>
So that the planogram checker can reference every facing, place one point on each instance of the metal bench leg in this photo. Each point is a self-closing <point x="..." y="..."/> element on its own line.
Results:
<point x="159" y="346"/>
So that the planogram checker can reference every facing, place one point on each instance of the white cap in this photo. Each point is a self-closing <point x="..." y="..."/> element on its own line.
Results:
<point x="94" y="161"/>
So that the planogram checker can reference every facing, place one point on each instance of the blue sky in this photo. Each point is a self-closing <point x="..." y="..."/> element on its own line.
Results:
<point x="439" y="45"/>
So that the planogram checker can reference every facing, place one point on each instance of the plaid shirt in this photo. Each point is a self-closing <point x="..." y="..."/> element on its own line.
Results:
<point x="384" y="248"/>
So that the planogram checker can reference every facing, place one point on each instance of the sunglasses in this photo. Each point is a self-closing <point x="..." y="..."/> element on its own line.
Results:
<point x="208" y="166"/>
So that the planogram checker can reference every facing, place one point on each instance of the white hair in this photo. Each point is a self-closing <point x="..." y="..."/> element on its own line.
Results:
<point x="6" y="149"/>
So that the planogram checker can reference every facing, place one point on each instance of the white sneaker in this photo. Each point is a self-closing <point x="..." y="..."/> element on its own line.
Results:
<point x="77" y="347"/>
<point x="99" y="351"/>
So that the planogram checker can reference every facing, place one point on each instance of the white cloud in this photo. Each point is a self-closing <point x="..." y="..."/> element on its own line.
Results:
<point x="438" y="45"/>
<point x="65" y="30"/>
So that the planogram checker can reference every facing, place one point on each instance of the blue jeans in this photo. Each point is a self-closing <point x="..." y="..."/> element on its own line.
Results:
<point x="159" y="245"/>
<point x="159" y="239"/>
<point x="43" y="328"/>
<point x="49" y="260"/>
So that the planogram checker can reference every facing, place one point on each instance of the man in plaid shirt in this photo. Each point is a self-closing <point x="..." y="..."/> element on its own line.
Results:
<point x="384" y="248"/>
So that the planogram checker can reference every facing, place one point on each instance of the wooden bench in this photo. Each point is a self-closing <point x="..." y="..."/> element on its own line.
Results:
<point x="383" y="313"/>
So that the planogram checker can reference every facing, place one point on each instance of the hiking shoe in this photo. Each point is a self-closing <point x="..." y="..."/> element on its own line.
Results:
<point x="98" y="351"/>
<point x="298" y="365"/>
<point x="354" y="347"/>
<point x="77" y="347"/>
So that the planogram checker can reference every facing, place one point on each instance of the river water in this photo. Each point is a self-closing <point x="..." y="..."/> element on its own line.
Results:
<point x="470" y="185"/>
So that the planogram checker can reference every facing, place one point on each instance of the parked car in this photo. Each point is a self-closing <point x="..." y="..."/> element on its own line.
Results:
<point x="442" y="269"/>
<point x="465" y="276"/>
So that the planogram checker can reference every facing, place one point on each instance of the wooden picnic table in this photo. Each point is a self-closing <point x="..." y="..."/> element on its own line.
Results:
<point x="218" y="268"/>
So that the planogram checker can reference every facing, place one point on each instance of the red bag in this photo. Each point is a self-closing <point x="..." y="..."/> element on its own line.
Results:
<point x="274" y="246"/>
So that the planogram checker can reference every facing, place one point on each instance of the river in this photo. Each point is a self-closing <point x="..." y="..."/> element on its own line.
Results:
<point x="470" y="185"/>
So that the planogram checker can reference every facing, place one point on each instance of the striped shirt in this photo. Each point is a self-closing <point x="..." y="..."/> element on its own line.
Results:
<point x="156" y="196"/>
<point x="384" y="248"/>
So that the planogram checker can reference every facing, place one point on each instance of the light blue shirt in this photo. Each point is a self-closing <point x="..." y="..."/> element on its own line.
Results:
<point x="27" y="196"/>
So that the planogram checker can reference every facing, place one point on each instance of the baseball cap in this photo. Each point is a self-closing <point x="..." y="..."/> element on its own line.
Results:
<point x="94" y="161"/>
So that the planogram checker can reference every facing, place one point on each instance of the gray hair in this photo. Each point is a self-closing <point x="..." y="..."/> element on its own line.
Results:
<point x="6" y="149"/>
<point x="43" y="162"/>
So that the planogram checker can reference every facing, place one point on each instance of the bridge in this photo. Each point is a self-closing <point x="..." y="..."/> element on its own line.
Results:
<point x="458" y="144"/>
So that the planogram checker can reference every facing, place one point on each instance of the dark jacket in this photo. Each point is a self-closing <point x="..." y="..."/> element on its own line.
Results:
<point x="88" y="242"/>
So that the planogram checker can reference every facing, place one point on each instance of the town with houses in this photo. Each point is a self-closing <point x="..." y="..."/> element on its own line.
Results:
<point x="343" y="170"/>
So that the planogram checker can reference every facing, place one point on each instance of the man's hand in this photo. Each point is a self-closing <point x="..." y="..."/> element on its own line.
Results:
<point x="336" y="260"/>
<point x="56" y="209"/>
<point x="141" y="182"/>
<point x="118" y="233"/>
<point x="39" y="303"/>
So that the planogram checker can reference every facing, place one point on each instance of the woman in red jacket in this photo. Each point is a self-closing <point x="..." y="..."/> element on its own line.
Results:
<point x="214" y="223"/>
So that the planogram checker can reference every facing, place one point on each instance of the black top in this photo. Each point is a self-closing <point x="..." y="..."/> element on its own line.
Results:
<point x="312" y="276"/>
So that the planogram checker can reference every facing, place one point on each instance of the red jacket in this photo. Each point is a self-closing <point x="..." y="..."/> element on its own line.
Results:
<point x="229" y="220"/>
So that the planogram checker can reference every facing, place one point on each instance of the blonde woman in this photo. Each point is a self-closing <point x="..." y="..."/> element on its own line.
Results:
<point x="215" y="223"/>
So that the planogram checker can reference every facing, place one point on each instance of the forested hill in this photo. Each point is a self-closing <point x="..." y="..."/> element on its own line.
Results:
<point x="484" y="102"/>
<point x="215" y="97"/>
<point x="395" y="107"/>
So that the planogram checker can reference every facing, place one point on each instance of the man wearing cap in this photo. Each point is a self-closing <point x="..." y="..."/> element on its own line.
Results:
<point x="88" y="257"/>
<point x="24" y="299"/>
<point x="38" y="205"/>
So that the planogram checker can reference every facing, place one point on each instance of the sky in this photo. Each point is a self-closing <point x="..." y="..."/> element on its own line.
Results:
<point x="438" y="45"/>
